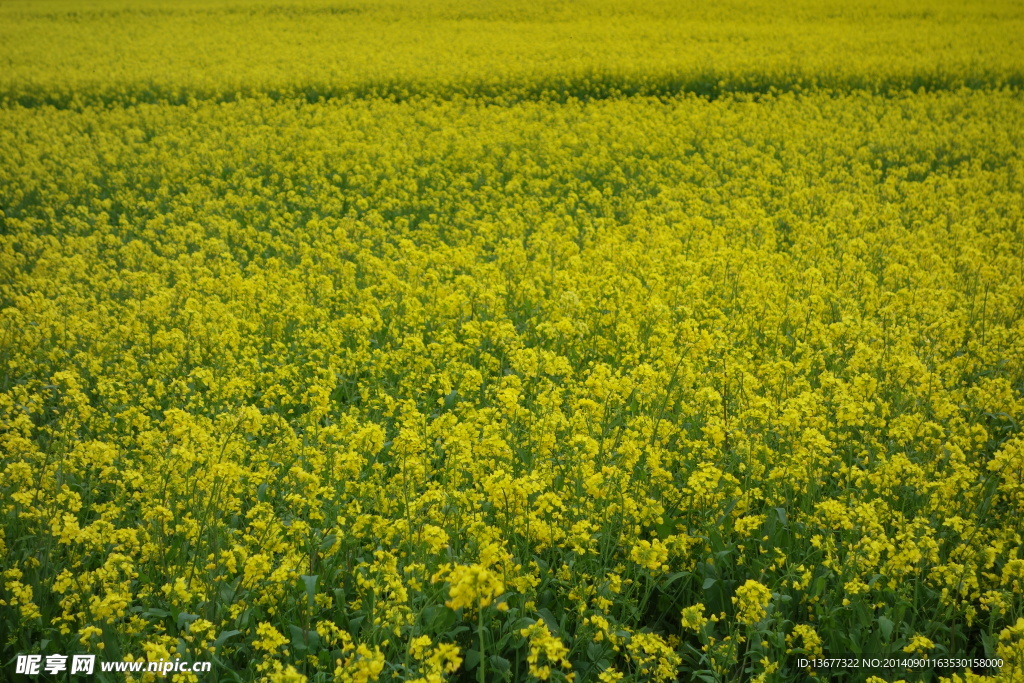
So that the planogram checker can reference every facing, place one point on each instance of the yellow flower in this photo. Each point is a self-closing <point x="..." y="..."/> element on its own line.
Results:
<point x="919" y="644"/>
<point x="693" y="617"/>
<point x="654" y="657"/>
<point x="810" y="641"/>
<point x="473" y="586"/>
<point x="650" y="554"/>
<point x="269" y="638"/>
<point x="545" y="650"/>
<point x="288" y="675"/>
<point x="751" y="599"/>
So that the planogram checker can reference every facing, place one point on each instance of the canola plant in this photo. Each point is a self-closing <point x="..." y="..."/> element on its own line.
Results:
<point x="429" y="341"/>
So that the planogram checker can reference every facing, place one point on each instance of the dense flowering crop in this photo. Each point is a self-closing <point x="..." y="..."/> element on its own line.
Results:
<point x="492" y="381"/>
<point x="68" y="52"/>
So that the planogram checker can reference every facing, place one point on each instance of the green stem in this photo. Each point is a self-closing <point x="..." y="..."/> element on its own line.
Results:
<point x="481" y="677"/>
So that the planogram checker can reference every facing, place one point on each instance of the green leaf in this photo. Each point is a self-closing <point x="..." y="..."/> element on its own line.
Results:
<point x="310" y="583"/>
<point x="223" y="638"/>
<point x="672" y="578"/>
<point x="227" y="591"/>
<point x="438" y="618"/>
<point x="186" y="618"/>
<point x="989" y="643"/>
<point x="854" y="640"/>
<point x="499" y="663"/>
<point x="549" y="619"/>
<point x="885" y="626"/>
<point x="665" y="529"/>
<point x="523" y="622"/>
<point x="472" y="659"/>
<point x="302" y="639"/>
<point x="451" y="399"/>
<point x="225" y="669"/>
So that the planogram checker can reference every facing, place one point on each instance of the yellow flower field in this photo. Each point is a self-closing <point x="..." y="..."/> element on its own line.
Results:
<point x="569" y="341"/>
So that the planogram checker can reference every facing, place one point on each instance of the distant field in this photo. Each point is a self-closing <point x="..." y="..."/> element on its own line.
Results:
<point x="585" y="341"/>
<point x="109" y="51"/>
